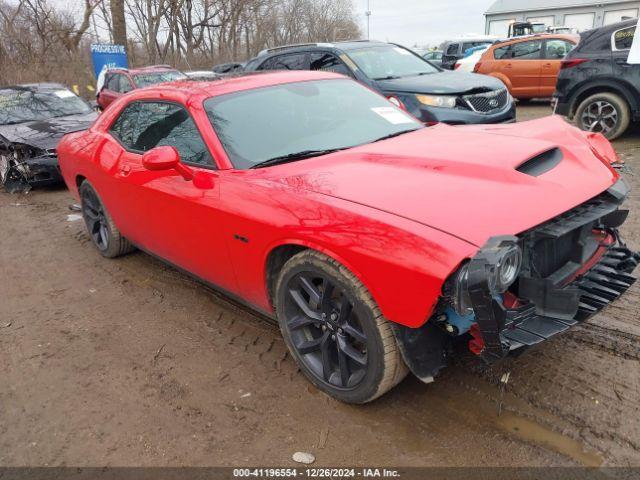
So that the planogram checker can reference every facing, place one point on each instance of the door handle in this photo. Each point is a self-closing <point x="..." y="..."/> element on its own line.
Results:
<point x="622" y="62"/>
<point x="508" y="65"/>
<point x="125" y="170"/>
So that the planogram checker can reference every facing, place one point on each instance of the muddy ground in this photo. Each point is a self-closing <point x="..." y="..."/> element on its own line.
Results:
<point x="128" y="362"/>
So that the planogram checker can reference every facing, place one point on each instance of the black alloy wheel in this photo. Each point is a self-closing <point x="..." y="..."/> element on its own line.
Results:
<point x="100" y="226"/>
<point x="95" y="218"/>
<point x="334" y="329"/>
<point x="325" y="330"/>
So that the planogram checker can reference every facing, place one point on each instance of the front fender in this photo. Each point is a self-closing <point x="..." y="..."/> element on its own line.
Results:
<point x="403" y="264"/>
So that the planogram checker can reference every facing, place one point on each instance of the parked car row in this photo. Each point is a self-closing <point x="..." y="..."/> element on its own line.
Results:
<point x="592" y="83"/>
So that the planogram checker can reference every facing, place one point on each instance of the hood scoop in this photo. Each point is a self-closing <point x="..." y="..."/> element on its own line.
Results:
<point x="541" y="163"/>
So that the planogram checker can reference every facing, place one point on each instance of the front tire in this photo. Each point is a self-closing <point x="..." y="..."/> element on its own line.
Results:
<point x="605" y="113"/>
<point x="335" y="331"/>
<point x="103" y="231"/>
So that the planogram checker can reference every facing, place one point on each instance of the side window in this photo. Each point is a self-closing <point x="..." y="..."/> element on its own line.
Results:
<point x="161" y="124"/>
<point x="328" y="62"/>
<point x="526" y="50"/>
<point x="452" y="49"/>
<point x="122" y="129"/>
<point x="296" y="61"/>
<point x="622" y="39"/>
<point x="502" y="53"/>
<point x="557" y="49"/>
<point x="125" y="84"/>
<point x="467" y="45"/>
<point x="113" y="83"/>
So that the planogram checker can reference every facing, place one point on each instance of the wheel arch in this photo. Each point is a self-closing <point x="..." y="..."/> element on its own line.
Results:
<point x="278" y="254"/>
<point x="79" y="180"/>
<point x="604" y="86"/>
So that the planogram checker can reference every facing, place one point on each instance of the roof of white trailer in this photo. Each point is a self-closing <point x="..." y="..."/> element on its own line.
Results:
<point x="508" y="6"/>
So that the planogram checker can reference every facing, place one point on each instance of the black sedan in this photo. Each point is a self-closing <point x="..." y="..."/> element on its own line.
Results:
<point x="404" y="77"/>
<point x="33" y="119"/>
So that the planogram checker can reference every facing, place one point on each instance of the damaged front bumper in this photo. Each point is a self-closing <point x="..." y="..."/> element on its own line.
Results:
<point x="573" y="266"/>
<point x="19" y="172"/>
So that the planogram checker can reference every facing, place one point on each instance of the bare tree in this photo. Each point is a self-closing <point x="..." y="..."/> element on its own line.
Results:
<point x="37" y="38"/>
<point x="118" y="23"/>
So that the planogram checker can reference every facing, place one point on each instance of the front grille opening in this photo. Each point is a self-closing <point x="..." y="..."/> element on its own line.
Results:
<point x="487" y="102"/>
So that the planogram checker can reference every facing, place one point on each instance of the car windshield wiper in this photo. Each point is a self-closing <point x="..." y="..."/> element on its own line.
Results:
<point x="392" y="135"/>
<point x="292" y="157"/>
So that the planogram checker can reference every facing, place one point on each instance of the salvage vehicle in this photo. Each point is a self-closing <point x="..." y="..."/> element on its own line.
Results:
<point x="596" y="86"/>
<point x="527" y="66"/>
<point x="454" y="50"/>
<point x="375" y="241"/>
<point x="404" y="77"/>
<point x="33" y="119"/>
<point x="119" y="81"/>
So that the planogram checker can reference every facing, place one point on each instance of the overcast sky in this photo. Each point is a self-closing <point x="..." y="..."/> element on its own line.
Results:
<point x="422" y="21"/>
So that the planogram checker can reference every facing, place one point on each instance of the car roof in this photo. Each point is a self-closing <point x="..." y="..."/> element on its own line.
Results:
<point x="612" y="27"/>
<point x="542" y="36"/>
<point x="342" y="45"/>
<point x="149" y="69"/>
<point x="186" y="90"/>
<point x="36" y="87"/>
<point x="471" y="39"/>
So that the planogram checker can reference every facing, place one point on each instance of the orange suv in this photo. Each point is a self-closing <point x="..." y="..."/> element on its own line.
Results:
<point x="529" y="65"/>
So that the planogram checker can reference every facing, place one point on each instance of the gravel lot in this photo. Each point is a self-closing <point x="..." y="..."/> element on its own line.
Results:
<point x="129" y="362"/>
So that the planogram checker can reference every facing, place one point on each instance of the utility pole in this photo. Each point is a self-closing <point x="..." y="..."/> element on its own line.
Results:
<point x="368" y="15"/>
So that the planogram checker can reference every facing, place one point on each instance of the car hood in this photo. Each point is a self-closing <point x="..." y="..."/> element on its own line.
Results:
<point x="445" y="82"/>
<point x="45" y="134"/>
<point x="461" y="180"/>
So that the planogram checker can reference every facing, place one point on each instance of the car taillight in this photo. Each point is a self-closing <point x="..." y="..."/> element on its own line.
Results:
<point x="477" y="66"/>
<point x="456" y="66"/>
<point x="572" y="62"/>
<point x="396" y="101"/>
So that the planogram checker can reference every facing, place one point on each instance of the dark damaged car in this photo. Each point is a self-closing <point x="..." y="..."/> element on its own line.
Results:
<point x="430" y="94"/>
<point x="33" y="119"/>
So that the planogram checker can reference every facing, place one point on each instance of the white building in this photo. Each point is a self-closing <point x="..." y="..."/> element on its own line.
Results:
<point x="579" y="14"/>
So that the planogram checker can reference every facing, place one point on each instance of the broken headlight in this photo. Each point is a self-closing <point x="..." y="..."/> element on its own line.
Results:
<point x="501" y="274"/>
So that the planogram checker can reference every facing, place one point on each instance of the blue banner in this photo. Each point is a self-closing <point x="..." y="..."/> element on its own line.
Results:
<point x="106" y="56"/>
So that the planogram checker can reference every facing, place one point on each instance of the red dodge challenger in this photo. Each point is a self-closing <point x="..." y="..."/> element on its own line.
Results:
<point x="376" y="242"/>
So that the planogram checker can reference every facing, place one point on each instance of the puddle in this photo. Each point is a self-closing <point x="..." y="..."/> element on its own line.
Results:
<point x="536" y="433"/>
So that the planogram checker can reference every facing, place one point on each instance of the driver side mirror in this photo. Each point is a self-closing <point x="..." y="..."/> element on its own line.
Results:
<point x="166" y="158"/>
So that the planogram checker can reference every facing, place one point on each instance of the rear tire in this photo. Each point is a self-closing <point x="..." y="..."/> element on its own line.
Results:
<point x="103" y="231"/>
<point x="335" y="331"/>
<point x="606" y="113"/>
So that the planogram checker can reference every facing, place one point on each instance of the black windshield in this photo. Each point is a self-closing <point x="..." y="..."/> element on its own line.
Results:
<point x="18" y="105"/>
